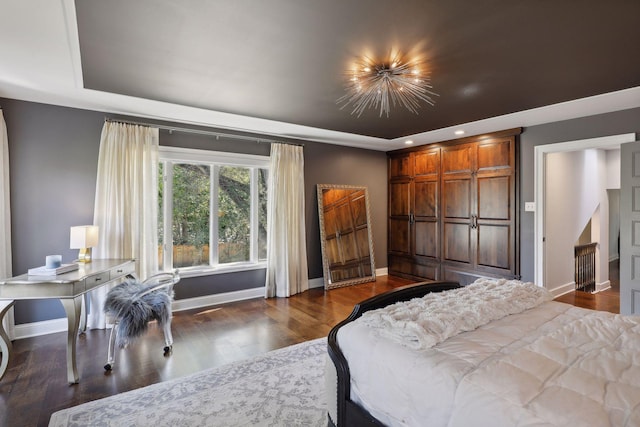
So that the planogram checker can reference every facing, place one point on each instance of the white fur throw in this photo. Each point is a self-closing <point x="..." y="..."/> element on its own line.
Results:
<point x="424" y="322"/>
<point x="132" y="306"/>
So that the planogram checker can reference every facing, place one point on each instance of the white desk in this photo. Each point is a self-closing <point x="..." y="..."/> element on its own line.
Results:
<point x="70" y="289"/>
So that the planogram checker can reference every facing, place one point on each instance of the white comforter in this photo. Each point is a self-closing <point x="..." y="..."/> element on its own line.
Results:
<point x="551" y="365"/>
<point x="584" y="374"/>
<point x="424" y="322"/>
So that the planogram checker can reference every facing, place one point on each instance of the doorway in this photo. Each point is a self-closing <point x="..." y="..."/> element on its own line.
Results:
<point x="540" y="164"/>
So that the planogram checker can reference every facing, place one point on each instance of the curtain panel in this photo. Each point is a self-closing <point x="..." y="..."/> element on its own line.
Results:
<point x="5" y="220"/>
<point x="286" y="239"/>
<point x="126" y="203"/>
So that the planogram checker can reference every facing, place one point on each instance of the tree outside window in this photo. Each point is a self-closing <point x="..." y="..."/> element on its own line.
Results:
<point x="225" y="204"/>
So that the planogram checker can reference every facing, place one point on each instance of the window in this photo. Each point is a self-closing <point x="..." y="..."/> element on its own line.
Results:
<point x="212" y="212"/>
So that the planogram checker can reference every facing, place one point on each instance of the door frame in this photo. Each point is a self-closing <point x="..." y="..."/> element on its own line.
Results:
<point x="540" y="153"/>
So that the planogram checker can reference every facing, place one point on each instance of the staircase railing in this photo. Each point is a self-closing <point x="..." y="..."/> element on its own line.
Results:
<point x="585" y="267"/>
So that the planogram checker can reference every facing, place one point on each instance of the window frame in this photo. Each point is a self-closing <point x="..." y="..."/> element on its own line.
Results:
<point x="169" y="156"/>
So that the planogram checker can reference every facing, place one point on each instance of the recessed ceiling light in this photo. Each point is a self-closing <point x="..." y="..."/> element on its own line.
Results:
<point x="408" y="142"/>
<point x="459" y="132"/>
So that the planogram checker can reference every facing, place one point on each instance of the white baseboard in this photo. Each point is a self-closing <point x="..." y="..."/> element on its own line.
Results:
<point x="318" y="282"/>
<point x="602" y="286"/>
<point x="34" y="329"/>
<point x="571" y="286"/>
<point x="563" y="289"/>
<point x="217" y="299"/>
<point x="382" y="271"/>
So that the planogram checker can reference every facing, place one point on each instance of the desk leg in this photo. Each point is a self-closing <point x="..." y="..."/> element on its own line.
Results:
<point x="5" y="342"/>
<point x="73" y="308"/>
<point x="83" y="314"/>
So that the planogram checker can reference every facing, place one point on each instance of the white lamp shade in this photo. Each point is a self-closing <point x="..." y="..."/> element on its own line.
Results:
<point x="84" y="236"/>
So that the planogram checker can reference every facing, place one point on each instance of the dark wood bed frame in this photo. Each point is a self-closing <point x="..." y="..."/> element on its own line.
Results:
<point x="350" y="414"/>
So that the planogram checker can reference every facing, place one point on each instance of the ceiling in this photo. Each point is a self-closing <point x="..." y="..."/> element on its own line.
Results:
<point x="278" y="67"/>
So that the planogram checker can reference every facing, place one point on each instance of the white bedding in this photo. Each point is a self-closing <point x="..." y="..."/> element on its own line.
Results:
<point x="524" y="369"/>
<point x="585" y="374"/>
<point x="424" y="322"/>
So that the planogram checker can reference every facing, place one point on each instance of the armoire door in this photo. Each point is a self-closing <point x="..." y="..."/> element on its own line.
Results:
<point x="400" y="205"/>
<point x="425" y="214"/>
<point x="458" y="200"/>
<point x="495" y="208"/>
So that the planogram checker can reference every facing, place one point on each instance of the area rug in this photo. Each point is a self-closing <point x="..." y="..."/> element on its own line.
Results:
<point x="284" y="387"/>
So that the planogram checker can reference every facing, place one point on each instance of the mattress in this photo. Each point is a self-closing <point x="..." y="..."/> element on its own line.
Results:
<point x="529" y="368"/>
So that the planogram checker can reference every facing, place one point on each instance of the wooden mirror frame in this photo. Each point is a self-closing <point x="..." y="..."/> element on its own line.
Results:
<point x="363" y="269"/>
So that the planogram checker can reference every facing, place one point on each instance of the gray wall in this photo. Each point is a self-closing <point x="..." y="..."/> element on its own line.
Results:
<point x="331" y="164"/>
<point x="53" y="155"/>
<point x="626" y="121"/>
<point x="53" y="160"/>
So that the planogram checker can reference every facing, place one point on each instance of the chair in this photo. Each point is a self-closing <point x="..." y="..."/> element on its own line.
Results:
<point x="131" y="305"/>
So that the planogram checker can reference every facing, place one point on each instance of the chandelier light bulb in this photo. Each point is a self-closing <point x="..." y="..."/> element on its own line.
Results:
<point x="381" y="85"/>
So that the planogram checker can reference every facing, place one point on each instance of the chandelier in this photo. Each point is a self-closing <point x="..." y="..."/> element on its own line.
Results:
<point x="385" y="84"/>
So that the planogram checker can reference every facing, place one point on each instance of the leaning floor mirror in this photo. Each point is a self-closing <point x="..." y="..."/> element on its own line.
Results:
<point x="345" y="235"/>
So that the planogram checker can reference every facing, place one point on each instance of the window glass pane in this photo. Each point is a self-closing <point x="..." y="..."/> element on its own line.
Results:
<point x="262" y="214"/>
<point x="160" y="217"/>
<point x="191" y="207"/>
<point x="234" y="214"/>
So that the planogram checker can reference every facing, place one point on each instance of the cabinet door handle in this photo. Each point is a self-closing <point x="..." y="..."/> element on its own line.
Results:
<point x="412" y="218"/>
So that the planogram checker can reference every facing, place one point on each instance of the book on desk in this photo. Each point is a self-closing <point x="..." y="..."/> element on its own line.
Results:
<point x="44" y="271"/>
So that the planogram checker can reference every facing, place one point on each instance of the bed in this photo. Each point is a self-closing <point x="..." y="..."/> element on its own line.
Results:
<point x="543" y="363"/>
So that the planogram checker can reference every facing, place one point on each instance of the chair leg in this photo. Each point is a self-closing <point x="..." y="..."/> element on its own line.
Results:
<point x="111" y="355"/>
<point x="168" y="338"/>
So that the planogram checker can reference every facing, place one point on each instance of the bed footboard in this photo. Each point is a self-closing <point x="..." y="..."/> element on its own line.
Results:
<point x="341" y="410"/>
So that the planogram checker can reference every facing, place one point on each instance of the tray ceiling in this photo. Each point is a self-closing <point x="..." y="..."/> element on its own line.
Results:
<point x="285" y="60"/>
<point x="278" y="67"/>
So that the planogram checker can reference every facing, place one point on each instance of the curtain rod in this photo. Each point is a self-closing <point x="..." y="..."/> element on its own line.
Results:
<point x="172" y="129"/>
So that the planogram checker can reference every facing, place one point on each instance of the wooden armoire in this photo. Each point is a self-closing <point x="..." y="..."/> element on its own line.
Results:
<point x="453" y="209"/>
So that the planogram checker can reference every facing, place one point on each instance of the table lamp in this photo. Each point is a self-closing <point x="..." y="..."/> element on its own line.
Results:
<point x="84" y="237"/>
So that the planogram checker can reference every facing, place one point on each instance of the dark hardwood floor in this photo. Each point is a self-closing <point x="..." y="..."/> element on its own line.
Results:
<point x="35" y="383"/>
<point x="608" y="300"/>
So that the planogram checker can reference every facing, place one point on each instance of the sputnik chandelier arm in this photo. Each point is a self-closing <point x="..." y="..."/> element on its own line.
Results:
<point x="384" y="84"/>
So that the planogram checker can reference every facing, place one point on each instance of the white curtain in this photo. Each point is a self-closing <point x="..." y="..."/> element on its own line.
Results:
<point x="5" y="218"/>
<point x="286" y="245"/>
<point x="126" y="204"/>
